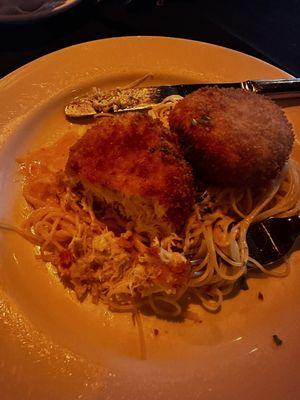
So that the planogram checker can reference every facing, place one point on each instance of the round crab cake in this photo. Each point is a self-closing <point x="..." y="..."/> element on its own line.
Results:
<point x="232" y="137"/>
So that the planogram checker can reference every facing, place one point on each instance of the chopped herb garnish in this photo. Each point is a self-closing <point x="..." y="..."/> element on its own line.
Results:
<point x="277" y="340"/>
<point x="201" y="196"/>
<point x="243" y="283"/>
<point x="204" y="120"/>
<point x="165" y="149"/>
<point x="260" y="296"/>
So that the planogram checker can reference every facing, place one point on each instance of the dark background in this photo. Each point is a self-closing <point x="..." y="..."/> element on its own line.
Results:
<point x="266" y="29"/>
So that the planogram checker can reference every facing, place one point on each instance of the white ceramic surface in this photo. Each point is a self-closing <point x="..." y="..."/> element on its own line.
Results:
<point x="52" y="346"/>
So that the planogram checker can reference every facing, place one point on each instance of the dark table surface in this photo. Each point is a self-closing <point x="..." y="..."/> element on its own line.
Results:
<point x="267" y="29"/>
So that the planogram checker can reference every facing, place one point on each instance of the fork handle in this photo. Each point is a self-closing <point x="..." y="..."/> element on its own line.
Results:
<point x="276" y="88"/>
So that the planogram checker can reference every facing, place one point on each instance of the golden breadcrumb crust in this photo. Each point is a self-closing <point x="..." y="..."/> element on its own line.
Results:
<point x="232" y="137"/>
<point x="134" y="154"/>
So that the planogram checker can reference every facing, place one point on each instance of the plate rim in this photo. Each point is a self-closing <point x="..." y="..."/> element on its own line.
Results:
<point x="140" y="37"/>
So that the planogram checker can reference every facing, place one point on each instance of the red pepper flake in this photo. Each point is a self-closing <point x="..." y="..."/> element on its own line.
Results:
<point x="260" y="296"/>
<point x="155" y="332"/>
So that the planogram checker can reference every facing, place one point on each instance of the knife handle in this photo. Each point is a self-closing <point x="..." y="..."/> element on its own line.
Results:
<point x="276" y="88"/>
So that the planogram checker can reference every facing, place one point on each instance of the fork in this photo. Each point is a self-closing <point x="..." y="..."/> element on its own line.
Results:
<point x="143" y="98"/>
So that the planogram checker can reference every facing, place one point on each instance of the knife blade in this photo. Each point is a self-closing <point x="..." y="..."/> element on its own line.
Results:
<point x="142" y="98"/>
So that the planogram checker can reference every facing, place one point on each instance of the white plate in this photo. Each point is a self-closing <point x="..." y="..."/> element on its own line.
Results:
<point x="38" y="14"/>
<point x="53" y="347"/>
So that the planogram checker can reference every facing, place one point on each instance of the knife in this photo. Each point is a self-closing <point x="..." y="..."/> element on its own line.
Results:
<point x="142" y="98"/>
